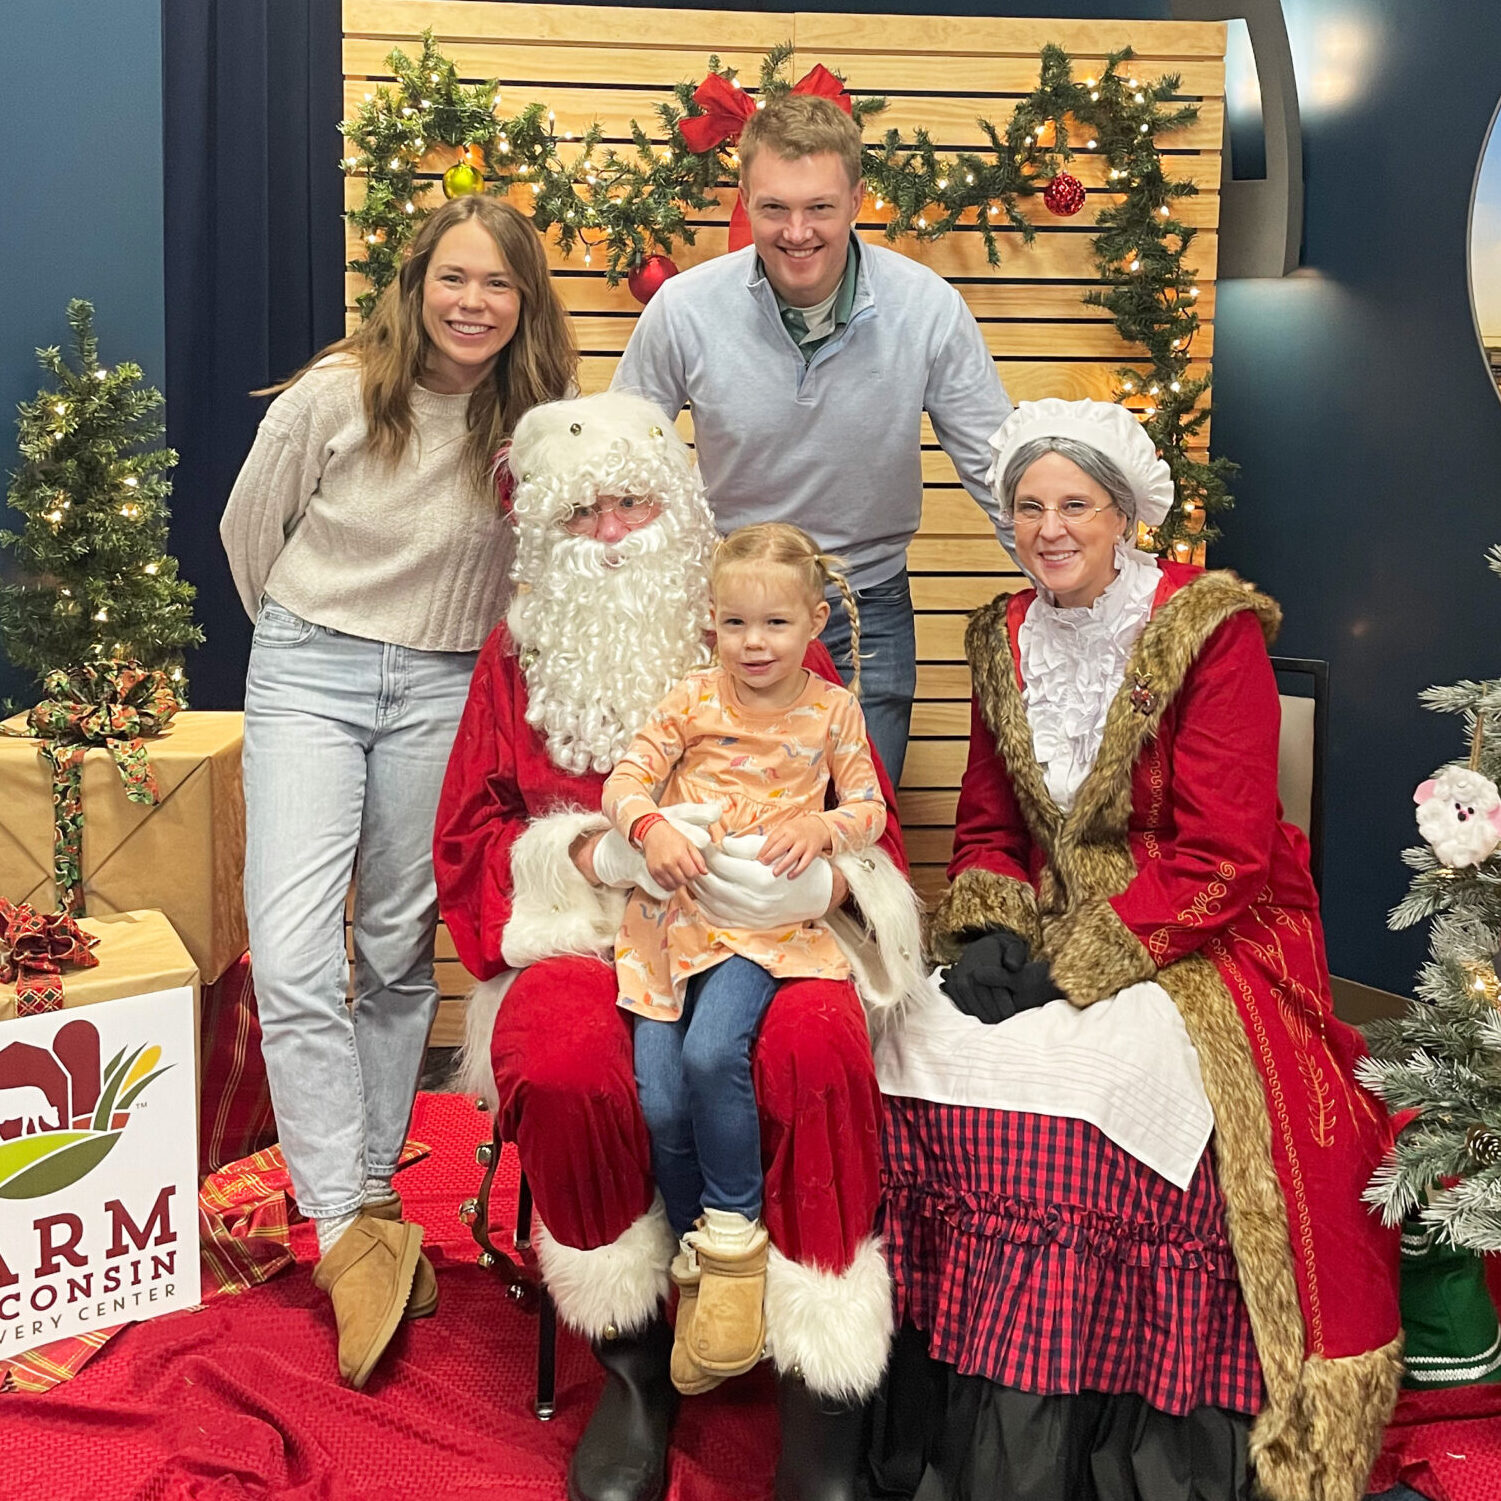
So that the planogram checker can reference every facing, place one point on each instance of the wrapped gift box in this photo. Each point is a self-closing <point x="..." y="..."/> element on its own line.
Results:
<point x="184" y="857"/>
<point x="138" y="952"/>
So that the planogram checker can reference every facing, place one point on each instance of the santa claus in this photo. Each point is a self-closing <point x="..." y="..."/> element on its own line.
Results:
<point x="611" y="609"/>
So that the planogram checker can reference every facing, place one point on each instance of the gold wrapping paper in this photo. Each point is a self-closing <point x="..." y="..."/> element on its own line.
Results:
<point x="184" y="857"/>
<point x="138" y="952"/>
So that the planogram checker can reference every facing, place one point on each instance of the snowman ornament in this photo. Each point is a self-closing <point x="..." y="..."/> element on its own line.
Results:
<point x="1459" y="814"/>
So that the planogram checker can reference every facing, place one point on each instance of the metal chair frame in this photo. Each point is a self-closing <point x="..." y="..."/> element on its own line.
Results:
<point x="522" y="1284"/>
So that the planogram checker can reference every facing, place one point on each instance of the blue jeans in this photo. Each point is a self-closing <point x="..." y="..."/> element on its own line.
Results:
<point x="346" y="743"/>
<point x="888" y="663"/>
<point x="694" y="1079"/>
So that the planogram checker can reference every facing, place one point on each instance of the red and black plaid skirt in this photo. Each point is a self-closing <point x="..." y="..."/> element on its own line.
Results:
<point x="1033" y="1251"/>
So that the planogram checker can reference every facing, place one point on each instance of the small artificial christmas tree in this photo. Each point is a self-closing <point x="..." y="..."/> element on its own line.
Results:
<point x="97" y="583"/>
<point x="1442" y="1057"/>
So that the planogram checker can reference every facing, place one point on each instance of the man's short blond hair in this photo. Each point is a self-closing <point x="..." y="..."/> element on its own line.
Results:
<point x="798" y="125"/>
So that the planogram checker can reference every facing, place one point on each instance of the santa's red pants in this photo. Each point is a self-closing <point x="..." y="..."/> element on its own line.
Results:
<point x="562" y="1056"/>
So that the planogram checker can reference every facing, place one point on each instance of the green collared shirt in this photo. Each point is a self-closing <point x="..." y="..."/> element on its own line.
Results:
<point x="844" y="301"/>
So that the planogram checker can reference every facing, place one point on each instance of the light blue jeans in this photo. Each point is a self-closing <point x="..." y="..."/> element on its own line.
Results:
<point x="346" y="743"/>
<point x="888" y="663"/>
<point x="693" y="1077"/>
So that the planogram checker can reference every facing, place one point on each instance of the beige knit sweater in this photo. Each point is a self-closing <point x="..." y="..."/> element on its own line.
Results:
<point x="415" y="553"/>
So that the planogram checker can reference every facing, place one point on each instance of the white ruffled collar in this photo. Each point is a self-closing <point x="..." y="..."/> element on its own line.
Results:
<point x="1073" y="660"/>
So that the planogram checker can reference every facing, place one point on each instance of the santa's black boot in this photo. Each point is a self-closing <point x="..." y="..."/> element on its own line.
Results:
<point x="622" y="1455"/>
<point x="821" y="1444"/>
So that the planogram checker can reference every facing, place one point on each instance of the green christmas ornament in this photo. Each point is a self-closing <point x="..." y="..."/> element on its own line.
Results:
<point x="461" y="179"/>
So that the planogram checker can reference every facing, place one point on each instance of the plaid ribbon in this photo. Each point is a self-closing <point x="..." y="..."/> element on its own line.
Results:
<point x="36" y="948"/>
<point x="108" y="703"/>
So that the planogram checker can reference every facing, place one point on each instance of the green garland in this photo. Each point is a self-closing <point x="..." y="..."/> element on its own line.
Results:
<point x="637" y="203"/>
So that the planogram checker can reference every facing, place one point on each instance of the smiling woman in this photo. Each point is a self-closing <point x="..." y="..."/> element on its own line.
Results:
<point x="367" y="545"/>
<point x="470" y="308"/>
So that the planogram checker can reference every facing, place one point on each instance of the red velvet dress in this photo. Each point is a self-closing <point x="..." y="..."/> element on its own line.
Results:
<point x="1030" y="1249"/>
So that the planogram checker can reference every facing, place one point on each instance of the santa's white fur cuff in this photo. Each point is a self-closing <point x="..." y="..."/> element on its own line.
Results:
<point x="617" y="1287"/>
<point x="831" y="1328"/>
<point x="884" y="944"/>
<point x="555" y="909"/>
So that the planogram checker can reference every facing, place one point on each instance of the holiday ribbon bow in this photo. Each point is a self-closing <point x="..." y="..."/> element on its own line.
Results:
<point x="108" y="703"/>
<point x="36" y="948"/>
<point x="726" y="107"/>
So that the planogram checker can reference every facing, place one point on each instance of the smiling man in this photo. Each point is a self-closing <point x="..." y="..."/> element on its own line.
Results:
<point x="809" y="359"/>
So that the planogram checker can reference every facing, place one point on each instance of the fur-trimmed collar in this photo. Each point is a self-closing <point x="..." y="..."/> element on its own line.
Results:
<point x="1155" y="674"/>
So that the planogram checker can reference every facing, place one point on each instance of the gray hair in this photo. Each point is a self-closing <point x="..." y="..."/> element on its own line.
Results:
<point x="1102" y="469"/>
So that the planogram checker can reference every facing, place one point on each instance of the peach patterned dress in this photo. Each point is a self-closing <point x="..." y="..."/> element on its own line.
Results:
<point x="701" y="745"/>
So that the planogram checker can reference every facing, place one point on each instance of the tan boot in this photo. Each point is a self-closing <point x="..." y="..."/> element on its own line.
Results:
<point x="688" y="1375"/>
<point x="728" y="1331"/>
<point x="424" y="1300"/>
<point x="368" y="1275"/>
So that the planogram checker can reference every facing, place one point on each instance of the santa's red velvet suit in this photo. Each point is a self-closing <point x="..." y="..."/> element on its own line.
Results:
<point x="526" y="922"/>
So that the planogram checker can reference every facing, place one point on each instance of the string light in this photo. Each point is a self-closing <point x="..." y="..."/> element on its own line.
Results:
<point x="150" y="568"/>
<point x="101" y="614"/>
<point x="132" y="481"/>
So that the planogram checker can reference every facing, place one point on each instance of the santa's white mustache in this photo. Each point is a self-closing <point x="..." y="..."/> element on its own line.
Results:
<point x="589" y="558"/>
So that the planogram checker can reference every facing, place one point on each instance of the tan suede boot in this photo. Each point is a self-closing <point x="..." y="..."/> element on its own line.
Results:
<point x="688" y="1375"/>
<point x="424" y="1300"/>
<point x="728" y="1331"/>
<point x="368" y="1275"/>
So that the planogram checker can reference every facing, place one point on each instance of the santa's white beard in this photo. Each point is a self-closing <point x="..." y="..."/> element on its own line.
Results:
<point x="603" y="631"/>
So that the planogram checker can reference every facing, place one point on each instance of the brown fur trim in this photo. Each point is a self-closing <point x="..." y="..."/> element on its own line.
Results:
<point x="1342" y="1407"/>
<point x="1094" y="954"/>
<point x="1255" y="1209"/>
<point x="988" y="648"/>
<point x="981" y="899"/>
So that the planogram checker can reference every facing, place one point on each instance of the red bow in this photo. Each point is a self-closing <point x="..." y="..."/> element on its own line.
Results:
<point x="727" y="107"/>
<point x="38" y="948"/>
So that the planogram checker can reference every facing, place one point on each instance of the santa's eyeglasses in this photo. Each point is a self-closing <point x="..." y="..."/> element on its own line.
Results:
<point x="628" y="510"/>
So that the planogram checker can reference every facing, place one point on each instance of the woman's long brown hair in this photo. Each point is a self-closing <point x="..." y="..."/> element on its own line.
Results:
<point x="540" y="363"/>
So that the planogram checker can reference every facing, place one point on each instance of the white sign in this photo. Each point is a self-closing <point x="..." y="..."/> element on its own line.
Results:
<point x="98" y="1168"/>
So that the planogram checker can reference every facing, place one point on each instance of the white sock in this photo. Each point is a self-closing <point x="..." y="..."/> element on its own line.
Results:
<point x="379" y="1191"/>
<point x="725" y="1230"/>
<point x="330" y="1229"/>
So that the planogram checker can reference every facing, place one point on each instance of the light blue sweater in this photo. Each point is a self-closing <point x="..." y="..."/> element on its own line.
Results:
<point x="833" y="445"/>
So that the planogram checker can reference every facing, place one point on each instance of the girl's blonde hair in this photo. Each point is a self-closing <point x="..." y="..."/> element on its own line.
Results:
<point x="538" y="364"/>
<point x="780" y="544"/>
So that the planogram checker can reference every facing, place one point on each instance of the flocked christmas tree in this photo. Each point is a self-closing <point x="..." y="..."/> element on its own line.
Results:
<point x="95" y="579"/>
<point x="1442" y="1057"/>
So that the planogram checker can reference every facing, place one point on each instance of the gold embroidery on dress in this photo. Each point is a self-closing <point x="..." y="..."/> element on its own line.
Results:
<point x="1155" y="782"/>
<point x="1207" y="903"/>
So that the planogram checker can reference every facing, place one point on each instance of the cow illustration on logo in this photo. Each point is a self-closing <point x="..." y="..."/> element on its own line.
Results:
<point x="60" y="1113"/>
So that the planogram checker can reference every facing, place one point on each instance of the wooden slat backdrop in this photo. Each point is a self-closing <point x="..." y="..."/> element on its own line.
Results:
<point x="614" y="65"/>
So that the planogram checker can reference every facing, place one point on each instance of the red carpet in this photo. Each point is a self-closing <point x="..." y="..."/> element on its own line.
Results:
<point x="242" y="1400"/>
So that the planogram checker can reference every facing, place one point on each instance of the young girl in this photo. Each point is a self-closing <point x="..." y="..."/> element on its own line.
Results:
<point x="755" y="741"/>
<point x="366" y="544"/>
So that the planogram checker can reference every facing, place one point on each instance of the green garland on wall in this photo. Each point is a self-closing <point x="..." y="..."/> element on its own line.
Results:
<point x="636" y="203"/>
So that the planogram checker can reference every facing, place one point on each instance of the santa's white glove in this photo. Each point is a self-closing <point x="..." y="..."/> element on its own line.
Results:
<point x="740" y="892"/>
<point x="617" y="862"/>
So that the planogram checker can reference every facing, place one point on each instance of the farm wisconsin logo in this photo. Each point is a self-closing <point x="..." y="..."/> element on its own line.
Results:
<point x="60" y="1113"/>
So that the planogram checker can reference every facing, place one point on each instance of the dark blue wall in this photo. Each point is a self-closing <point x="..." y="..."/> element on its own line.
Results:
<point x="80" y="190"/>
<point x="1355" y="396"/>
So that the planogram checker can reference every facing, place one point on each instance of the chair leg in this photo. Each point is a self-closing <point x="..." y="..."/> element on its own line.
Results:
<point x="523" y="1215"/>
<point x="547" y="1356"/>
<point x="475" y="1213"/>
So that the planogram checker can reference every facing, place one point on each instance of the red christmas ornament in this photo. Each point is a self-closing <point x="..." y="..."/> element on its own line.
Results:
<point x="1064" y="195"/>
<point x="646" y="279"/>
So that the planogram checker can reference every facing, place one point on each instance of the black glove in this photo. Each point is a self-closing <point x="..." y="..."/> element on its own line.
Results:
<point x="994" y="978"/>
